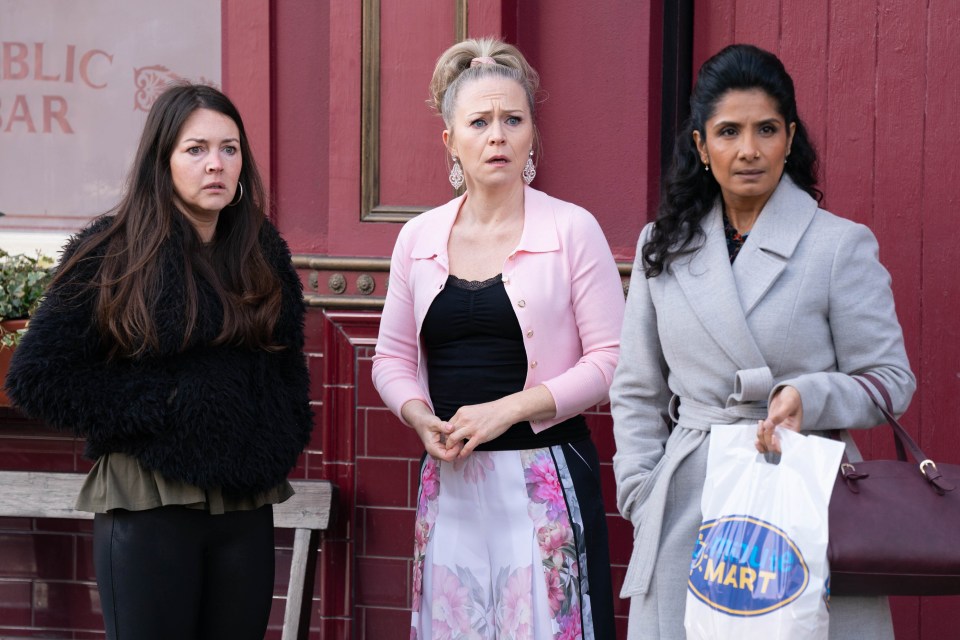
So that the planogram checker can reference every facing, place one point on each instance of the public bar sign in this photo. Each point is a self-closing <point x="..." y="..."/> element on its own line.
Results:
<point x="77" y="78"/>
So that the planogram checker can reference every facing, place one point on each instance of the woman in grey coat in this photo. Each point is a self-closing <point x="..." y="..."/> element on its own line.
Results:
<point x="748" y="304"/>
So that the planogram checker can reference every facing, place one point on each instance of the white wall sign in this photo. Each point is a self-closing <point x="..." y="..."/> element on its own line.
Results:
<point x="76" y="81"/>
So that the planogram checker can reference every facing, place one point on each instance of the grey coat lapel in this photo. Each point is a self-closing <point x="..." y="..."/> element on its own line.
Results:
<point x="771" y="242"/>
<point x="709" y="287"/>
<point x="722" y="297"/>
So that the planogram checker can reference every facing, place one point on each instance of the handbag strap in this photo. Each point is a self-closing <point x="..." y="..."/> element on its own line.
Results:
<point x="875" y="381"/>
<point x="927" y="466"/>
<point x="898" y="437"/>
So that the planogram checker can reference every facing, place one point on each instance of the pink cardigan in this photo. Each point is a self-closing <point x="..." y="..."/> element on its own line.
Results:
<point x="562" y="282"/>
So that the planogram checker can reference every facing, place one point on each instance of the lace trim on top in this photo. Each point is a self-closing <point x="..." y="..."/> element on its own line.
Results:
<point x="473" y="285"/>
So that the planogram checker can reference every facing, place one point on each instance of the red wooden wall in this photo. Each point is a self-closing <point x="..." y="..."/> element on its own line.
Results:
<point x="878" y="83"/>
<point x="599" y="150"/>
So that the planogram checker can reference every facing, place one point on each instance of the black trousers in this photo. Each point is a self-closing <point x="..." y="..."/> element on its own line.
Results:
<point x="175" y="573"/>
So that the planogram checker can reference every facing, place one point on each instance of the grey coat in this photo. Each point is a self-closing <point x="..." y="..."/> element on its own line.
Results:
<point x="806" y="304"/>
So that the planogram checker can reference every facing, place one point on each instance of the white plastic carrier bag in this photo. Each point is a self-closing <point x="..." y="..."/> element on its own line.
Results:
<point x="759" y="567"/>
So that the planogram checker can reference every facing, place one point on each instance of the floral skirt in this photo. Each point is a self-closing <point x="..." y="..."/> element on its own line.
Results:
<point x="512" y="545"/>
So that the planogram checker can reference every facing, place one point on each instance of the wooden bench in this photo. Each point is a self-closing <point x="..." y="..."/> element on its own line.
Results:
<point x="37" y="494"/>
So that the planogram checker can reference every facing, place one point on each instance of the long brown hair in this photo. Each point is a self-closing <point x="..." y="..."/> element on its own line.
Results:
<point x="128" y="280"/>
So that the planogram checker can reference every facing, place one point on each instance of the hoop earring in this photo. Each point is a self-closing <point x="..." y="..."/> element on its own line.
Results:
<point x="456" y="174"/>
<point x="529" y="170"/>
<point x="239" y="197"/>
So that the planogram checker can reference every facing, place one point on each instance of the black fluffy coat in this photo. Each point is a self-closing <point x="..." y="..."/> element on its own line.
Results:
<point x="211" y="416"/>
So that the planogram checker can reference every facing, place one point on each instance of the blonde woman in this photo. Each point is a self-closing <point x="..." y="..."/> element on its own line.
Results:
<point x="501" y="326"/>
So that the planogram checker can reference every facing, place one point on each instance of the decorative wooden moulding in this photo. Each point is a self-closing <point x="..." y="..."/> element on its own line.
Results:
<point x="329" y="280"/>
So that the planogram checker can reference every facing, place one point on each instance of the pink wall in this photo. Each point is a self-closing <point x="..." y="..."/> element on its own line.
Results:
<point x="599" y="64"/>
<point x="599" y="119"/>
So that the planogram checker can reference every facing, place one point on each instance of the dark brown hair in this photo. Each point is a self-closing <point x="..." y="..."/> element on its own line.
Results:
<point x="128" y="279"/>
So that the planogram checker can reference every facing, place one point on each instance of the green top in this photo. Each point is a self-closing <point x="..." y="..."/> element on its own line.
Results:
<point x="119" y="481"/>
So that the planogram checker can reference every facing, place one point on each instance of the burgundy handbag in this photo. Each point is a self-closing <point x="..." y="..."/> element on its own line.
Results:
<point x="894" y="524"/>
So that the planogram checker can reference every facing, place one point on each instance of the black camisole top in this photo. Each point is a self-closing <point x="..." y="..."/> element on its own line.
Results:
<point x="475" y="354"/>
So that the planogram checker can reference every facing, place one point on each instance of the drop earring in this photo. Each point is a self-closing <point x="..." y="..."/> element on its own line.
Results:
<point x="456" y="173"/>
<point x="529" y="169"/>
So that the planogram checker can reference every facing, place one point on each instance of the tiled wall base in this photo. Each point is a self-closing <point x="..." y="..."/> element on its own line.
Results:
<point x="361" y="578"/>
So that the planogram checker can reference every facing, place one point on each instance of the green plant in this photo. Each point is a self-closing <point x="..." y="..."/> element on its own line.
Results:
<point x="23" y="280"/>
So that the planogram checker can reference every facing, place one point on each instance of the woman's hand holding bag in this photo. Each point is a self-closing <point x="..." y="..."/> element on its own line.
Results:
<point x="759" y="567"/>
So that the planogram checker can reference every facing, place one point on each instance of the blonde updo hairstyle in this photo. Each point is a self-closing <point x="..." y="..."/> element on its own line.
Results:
<point x="454" y="70"/>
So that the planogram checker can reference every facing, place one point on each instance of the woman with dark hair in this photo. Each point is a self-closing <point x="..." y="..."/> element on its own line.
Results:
<point x="748" y="305"/>
<point x="172" y="340"/>
<point x="499" y="330"/>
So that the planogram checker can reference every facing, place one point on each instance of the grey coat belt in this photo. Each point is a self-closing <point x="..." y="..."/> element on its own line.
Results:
<point x="693" y="420"/>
